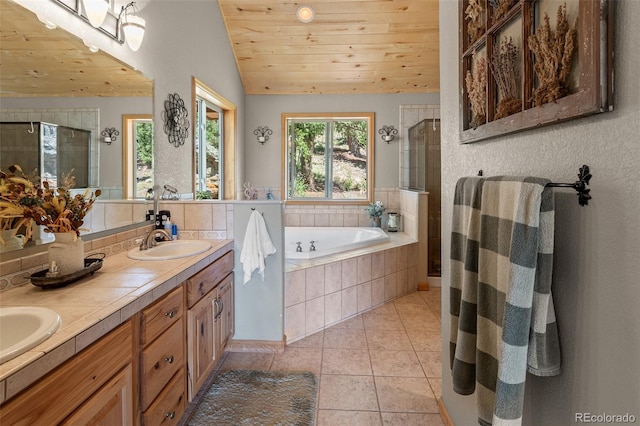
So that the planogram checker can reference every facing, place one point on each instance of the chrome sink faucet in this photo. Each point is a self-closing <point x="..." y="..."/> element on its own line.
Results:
<point x="150" y="240"/>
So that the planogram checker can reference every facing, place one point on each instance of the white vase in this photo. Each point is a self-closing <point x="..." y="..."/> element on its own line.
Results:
<point x="11" y="242"/>
<point x="67" y="251"/>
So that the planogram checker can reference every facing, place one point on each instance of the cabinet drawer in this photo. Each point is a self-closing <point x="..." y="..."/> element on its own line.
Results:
<point x="204" y="281"/>
<point x="169" y="407"/>
<point x="161" y="315"/>
<point x="160" y="361"/>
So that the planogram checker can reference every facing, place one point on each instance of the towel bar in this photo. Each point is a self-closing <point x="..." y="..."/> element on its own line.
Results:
<point x="584" y="176"/>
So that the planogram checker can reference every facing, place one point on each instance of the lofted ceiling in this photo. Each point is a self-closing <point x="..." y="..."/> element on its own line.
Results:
<point x="352" y="46"/>
<point x="39" y="62"/>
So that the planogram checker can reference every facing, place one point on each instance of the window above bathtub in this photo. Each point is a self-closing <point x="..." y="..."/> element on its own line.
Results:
<point x="328" y="157"/>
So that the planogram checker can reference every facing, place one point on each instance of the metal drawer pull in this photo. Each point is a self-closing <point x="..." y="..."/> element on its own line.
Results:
<point x="169" y="359"/>
<point x="170" y="314"/>
<point x="170" y="415"/>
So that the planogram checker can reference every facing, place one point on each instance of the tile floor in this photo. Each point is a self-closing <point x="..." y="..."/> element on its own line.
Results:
<point x="379" y="368"/>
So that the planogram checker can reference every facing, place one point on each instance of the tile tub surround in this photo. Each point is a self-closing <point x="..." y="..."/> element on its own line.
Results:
<point x="94" y="306"/>
<point x="326" y="291"/>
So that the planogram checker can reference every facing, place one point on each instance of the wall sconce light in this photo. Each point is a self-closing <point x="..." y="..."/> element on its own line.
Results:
<point x="388" y="133"/>
<point x="305" y="14"/>
<point x="263" y="134"/>
<point x="133" y="26"/>
<point x="109" y="135"/>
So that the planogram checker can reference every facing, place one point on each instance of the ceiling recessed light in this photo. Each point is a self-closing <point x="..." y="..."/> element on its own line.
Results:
<point x="305" y="13"/>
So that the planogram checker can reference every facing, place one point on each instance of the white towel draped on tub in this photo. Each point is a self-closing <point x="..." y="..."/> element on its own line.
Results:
<point x="257" y="246"/>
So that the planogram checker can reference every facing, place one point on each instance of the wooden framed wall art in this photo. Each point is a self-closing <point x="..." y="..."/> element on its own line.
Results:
<point x="531" y="63"/>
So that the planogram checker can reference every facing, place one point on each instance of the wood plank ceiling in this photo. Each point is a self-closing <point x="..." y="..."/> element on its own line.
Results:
<point x="39" y="62"/>
<point x="352" y="46"/>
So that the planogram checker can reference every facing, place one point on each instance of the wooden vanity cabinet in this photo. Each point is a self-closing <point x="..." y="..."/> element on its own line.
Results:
<point x="162" y="360"/>
<point x="93" y="387"/>
<point x="209" y="319"/>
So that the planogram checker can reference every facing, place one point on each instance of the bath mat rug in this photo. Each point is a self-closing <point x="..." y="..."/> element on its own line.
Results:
<point x="252" y="397"/>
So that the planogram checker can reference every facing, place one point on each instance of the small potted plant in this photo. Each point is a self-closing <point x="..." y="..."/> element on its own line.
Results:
<point x="375" y="211"/>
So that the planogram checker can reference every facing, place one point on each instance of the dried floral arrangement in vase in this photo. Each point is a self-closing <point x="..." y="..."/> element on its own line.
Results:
<point x="57" y="209"/>
<point x="474" y="14"/>
<point x="17" y="190"/>
<point x="505" y="67"/>
<point x="553" y="52"/>
<point x="500" y="8"/>
<point x="476" y="88"/>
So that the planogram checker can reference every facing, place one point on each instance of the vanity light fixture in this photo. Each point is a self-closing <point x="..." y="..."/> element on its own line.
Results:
<point x="96" y="11"/>
<point x="305" y="13"/>
<point x="127" y="25"/>
<point x="109" y="135"/>
<point x="263" y="134"/>
<point x="388" y="133"/>
<point x="133" y="26"/>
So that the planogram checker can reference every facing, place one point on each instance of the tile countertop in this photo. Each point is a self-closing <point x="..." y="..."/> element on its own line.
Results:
<point x="93" y="306"/>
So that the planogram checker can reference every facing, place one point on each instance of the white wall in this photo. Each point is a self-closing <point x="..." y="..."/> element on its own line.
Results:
<point x="186" y="39"/>
<point x="267" y="110"/>
<point x="597" y="249"/>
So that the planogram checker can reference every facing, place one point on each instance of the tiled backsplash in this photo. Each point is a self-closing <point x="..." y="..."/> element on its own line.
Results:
<point x="340" y="215"/>
<point x="195" y="220"/>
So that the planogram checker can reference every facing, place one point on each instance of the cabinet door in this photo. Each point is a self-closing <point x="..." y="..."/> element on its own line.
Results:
<point x="225" y="312"/>
<point x="56" y="396"/>
<point x="110" y="405"/>
<point x="201" y="346"/>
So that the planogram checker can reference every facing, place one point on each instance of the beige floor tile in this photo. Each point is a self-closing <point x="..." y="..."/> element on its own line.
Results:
<point x="430" y="363"/>
<point x="388" y="340"/>
<point x="345" y="338"/>
<point x="426" y="320"/>
<point x="313" y="341"/>
<point x="347" y="361"/>
<point x="298" y="359"/>
<point x="350" y="418"/>
<point x="387" y="308"/>
<point x="405" y="395"/>
<point x="247" y="361"/>
<point x="423" y="340"/>
<point x="411" y="419"/>
<point x="354" y="323"/>
<point x="436" y="386"/>
<point x="410" y="299"/>
<point x="340" y="392"/>
<point x="382" y="321"/>
<point x="395" y="364"/>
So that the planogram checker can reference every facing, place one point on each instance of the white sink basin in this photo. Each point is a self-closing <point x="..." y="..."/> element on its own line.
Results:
<point x="170" y="250"/>
<point x="24" y="327"/>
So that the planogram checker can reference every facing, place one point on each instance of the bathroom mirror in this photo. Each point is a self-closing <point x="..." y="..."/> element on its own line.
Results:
<point x="50" y="75"/>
